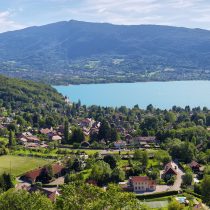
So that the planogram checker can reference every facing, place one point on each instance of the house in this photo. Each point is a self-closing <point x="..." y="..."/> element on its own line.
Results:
<point x="141" y="184"/>
<point x="46" y="131"/>
<point x="32" y="176"/>
<point x="56" y="138"/>
<point x="52" y="194"/>
<point x="27" y="137"/>
<point x="33" y="139"/>
<point x="120" y="144"/>
<point x="195" y="166"/>
<point x="170" y="170"/>
<point x="143" y="140"/>
<point x="88" y="122"/>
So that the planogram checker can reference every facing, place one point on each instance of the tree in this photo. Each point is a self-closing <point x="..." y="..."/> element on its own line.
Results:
<point x="137" y="154"/>
<point x="46" y="174"/>
<point x="6" y="182"/>
<point x="101" y="172"/>
<point x="175" y="205"/>
<point x="22" y="200"/>
<point x="114" y="136"/>
<point x="163" y="156"/>
<point x="77" y="135"/>
<point x="78" y="164"/>
<point x="187" y="178"/>
<point x="66" y="132"/>
<point x="93" y="197"/>
<point x="205" y="189"/>
<point x="111" y="160"/>
<point x="145" y="158"/>
<point x="73" y="177"/>
<point x="154" y="174"/>
<point x="118" y="175"/>
<point x="12" y="141"/>
<point x="104" y="130"/>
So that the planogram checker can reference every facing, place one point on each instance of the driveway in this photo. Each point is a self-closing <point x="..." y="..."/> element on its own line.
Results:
<point x="177" y="184"/>
<point x="58" y="181"/>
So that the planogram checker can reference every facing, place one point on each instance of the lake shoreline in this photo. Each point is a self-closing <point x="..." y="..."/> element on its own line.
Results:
<point x="163" y="95"/>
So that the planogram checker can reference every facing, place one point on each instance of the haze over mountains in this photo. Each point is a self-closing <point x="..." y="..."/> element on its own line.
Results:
<point x="81" y="52"/>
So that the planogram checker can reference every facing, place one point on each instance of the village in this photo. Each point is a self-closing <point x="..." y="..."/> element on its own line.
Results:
<point x="99" y="154"/>
<point x="168" y="177"/>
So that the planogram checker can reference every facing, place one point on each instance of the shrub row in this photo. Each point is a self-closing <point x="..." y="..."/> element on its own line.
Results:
<point x="192" y="193"/>
<point x="157" y="195"/>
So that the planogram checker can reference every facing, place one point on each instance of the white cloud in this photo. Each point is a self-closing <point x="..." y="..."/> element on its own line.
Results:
<point x="7" y="24"/>
<point x="187" y="13"/>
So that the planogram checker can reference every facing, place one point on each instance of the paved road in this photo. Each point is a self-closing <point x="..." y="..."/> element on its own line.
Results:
<point x="178" y="181"/>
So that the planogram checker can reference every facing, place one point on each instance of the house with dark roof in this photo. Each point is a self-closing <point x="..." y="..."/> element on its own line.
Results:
<point x="141" y="184"/>
<point x="195" y="166"/>
<point x="170" y="170"/>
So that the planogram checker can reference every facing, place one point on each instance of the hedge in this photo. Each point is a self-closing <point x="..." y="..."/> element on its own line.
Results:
<point x="156" y="195"/>
<point x="192" y="193"/>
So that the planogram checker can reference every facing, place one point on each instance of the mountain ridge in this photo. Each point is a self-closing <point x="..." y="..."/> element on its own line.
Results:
<point x="82" y="52"/>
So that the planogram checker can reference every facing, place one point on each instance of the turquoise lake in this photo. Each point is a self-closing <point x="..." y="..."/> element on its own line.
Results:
<point x="161" y="94"/>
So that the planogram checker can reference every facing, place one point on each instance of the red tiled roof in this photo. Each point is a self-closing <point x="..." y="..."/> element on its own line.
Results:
<point x="142" y="179"/>
<point x="32" y="175"/>
<point x="32" y="138"/>
<point x="45" y="131"/>
<point x="57" y="168"/>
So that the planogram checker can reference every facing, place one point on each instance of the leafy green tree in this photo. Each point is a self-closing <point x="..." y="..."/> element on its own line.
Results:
<point x="77" y="135"/>
<point x="22" y="200"/>
<point x="205" y="189"/>
<point x="187" y="178"/>
<point x="118" y="175"/>
<point x="114" y="136"/>
<point x="175" y="205"/>
<point x="111" y="160"/>
<point x="94" y="198"/>
<point x="163" y="156"/>
<point x="104" y="130"/>
<point x="154" y="174"/>
<point x="101" y="172"/>
<point x="137" y="154"/>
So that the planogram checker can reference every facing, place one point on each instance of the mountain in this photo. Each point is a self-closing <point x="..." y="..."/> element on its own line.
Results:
<point x="21" y="96"/>
<point x="82" y="52"/>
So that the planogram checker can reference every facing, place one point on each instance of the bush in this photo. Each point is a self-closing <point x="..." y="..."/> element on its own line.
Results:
<point x="76" y="145"/>
<point x="171" y="181"/>
<point x="157" y="195"/>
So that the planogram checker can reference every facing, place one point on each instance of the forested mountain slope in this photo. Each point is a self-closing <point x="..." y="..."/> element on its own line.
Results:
<point x="81" y="52"/>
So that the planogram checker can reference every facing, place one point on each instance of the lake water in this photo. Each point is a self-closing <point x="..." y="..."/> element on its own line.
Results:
<point x="161" y="94"/>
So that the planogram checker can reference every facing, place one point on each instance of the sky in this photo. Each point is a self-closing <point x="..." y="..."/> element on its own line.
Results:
<point x="18" y="14"/>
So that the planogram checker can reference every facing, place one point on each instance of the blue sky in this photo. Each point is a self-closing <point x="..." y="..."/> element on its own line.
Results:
<point x="17" y="14"/>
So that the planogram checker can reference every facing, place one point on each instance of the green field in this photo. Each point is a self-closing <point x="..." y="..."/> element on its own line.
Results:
<point x="18" y="165"/>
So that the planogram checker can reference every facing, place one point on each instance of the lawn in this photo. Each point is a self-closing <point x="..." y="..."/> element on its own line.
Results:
<point x="18" y="165"/>
<point x="157" y="204"/>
